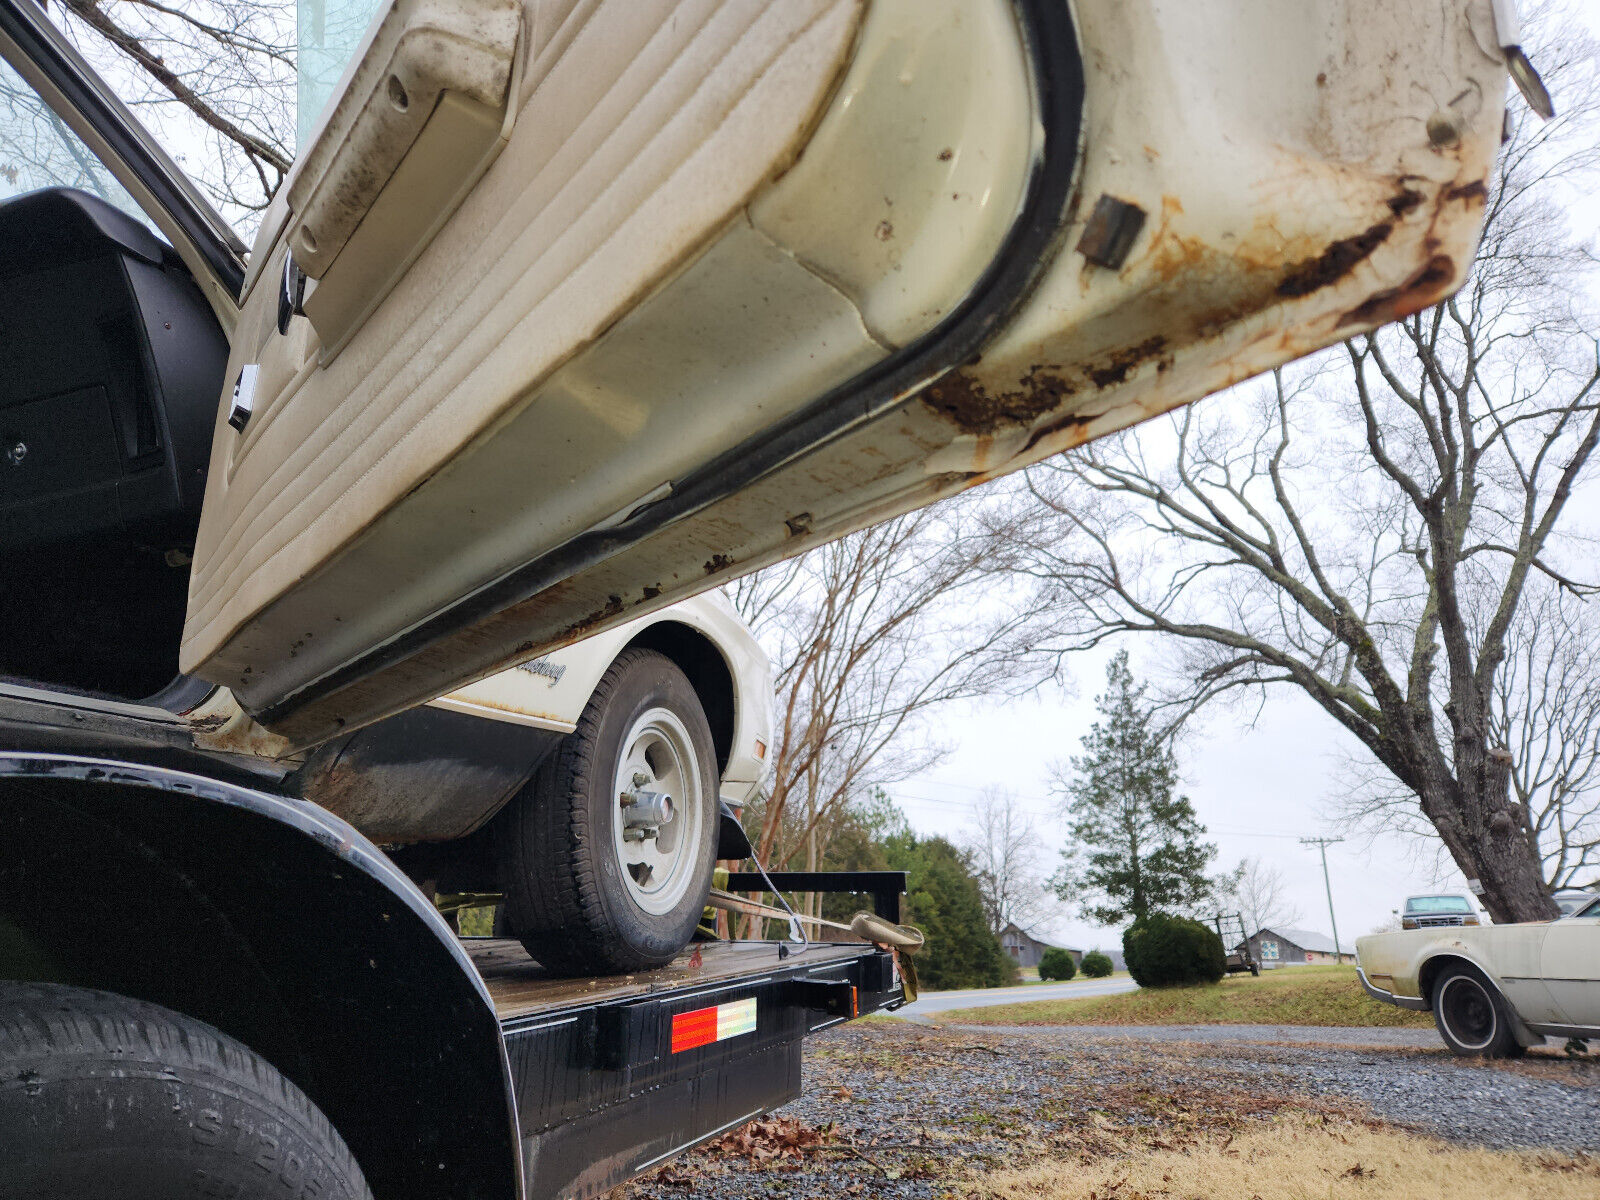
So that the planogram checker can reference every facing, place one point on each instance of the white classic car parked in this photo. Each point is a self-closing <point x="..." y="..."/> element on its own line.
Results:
<point x="1494" y="990"/>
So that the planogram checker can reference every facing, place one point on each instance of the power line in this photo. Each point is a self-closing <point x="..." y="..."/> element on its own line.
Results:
<point x="1053" y="808"/>
<point x="900" y="796"/>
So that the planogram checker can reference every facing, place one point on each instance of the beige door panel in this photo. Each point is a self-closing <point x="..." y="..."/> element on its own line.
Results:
<point x="1571" y="961"/>
<point x="745" y="276"/>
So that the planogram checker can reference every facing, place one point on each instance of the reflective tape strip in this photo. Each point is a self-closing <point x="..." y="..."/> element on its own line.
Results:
<point x="736" y="1018"/>
<point x="703" y="1026"/>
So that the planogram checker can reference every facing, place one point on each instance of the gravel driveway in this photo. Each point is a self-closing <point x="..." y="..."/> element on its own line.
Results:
<point x="915" y="1111"/>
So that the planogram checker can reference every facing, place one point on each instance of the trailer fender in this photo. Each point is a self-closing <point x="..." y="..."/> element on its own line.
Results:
<point x="280" y="925"/>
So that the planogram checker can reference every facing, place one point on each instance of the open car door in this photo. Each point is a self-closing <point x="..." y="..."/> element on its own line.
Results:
<point x="571" y="309"/>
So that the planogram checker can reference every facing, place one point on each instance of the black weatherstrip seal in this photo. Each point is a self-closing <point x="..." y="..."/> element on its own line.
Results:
<point x="1051" y="44"/>
<point x="208" y="233"/>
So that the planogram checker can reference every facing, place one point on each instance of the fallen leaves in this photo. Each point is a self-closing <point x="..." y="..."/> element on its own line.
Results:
<point x="768" y="1140"/>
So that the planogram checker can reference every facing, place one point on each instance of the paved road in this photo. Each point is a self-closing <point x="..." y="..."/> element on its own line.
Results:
<point x="932" y="1002"/>
<point x="1347" y="1036"/>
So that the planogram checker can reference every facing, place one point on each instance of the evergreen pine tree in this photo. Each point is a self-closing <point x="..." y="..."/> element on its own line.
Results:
<point x="943" y="901"/>
<point x="1134" y="846"/>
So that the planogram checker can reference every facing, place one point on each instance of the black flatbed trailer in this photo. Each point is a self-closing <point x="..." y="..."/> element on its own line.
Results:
<point x="452" y="1067"/>
<point x="615" y="1076"/>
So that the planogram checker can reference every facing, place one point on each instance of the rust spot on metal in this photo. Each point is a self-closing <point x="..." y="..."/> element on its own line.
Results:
<point x="580" y="629"/>
<point x="969" y="404"/>
<point x="650" y="593"/>
<point x="1404" y="201"/>
<point x="1469" y="191"/>
<point x="1334" y="263"/>
<point x="1422" y="289"/>
<point x="718" y="562"/>
<point x="1122" y="362"/>
<point x="976" y="410"/>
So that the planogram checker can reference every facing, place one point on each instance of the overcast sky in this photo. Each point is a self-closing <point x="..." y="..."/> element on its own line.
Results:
<point x="1258" y="784"/>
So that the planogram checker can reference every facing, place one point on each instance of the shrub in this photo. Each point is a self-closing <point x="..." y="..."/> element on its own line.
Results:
<point x="1096" y="965"/>
<point x="1057" y="963"/>
<point x="1163" y="950"/>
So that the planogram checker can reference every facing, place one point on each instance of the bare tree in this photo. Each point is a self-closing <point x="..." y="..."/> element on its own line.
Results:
<point x="1004" y="850"/>
<point x="1257" y="891"/>
<point x="214" y="78"/>
<point x="1368" y="528"/>
<point x="869" y="635"/>
<point x="37" y="149"/>
<point x="1547" y="714"/>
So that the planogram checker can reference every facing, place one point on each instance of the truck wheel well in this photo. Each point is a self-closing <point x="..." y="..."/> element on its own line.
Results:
<point x="698" y="657"/>
<point x="281" y="927"/>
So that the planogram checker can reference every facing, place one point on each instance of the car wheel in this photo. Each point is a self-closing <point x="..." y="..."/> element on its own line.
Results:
<point x="1471" y="1016"/>
<point x="103" y="1096"/>
<point x="606" y="855"/>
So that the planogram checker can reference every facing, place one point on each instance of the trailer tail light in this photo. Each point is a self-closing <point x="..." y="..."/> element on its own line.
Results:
<point x="703" y="1026"/>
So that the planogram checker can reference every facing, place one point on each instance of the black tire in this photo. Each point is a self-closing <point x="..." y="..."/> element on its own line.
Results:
<point x="1471" y="1016"/>
<point x="103" y="1096"/>
<point x="566" y="895"/>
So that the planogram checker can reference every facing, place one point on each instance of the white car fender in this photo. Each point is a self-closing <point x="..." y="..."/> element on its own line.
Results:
<point x="1507" y="955"/>
<point x="550" y="692"/>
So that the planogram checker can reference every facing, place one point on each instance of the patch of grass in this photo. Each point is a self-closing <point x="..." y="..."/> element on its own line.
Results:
<point x="1307" y="1160"/>
<point x="1287" y="996"/>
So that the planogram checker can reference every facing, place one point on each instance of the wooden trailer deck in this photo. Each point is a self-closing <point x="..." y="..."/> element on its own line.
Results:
<point x="520" y="987"/>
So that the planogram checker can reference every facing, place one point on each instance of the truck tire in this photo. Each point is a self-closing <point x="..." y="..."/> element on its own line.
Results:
<point x="1471" y="1015"/>
<point x="104" y="1096"/>
<point x="585" y="893"/>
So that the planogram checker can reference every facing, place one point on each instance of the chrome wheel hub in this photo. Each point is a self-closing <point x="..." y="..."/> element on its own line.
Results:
<point x="659" y="810"/>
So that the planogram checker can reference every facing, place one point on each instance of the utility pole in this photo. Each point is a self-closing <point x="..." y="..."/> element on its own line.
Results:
<point x="1322" y="844"/>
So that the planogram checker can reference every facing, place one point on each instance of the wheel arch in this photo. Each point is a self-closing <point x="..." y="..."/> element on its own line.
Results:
<point x="710" y="674"/>
<point x="1435" y="964"/>
<point x="284" y="928"/>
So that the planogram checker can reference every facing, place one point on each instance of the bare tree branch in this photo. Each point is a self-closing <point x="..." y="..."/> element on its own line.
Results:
<point x="1385" y="529"/>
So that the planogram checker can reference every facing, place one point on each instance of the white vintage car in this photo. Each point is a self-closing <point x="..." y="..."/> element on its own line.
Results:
<point x="567" y="312"/>
<point x="583" y="784"/>
<point x="1494" y="990"/>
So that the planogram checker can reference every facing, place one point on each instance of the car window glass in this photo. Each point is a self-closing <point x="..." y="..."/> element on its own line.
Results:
<point x="1438" y="904"/>
<point x="329" y="31"/>
<point x="38" y="150"/>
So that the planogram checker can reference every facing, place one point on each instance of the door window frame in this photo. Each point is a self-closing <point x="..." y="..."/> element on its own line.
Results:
<point x="65" y="82"/>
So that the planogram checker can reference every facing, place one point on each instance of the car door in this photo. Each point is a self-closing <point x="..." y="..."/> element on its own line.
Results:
<point x="1570" y="959"/>
<point x="571" y="309"/>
